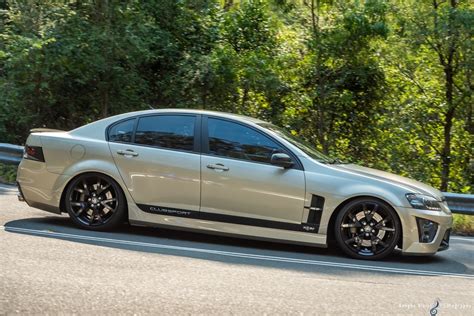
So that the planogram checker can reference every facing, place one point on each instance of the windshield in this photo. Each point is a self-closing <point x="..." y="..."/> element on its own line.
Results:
<point x="303" y="145"/>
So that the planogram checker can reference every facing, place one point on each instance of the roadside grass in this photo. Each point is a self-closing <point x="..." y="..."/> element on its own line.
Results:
<point x="7" y="173"/>
<point x="463" y="224"/>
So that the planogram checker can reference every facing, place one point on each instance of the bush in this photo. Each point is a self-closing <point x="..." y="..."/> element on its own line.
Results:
<point x="7" y="173"/>
<point x="463" y="224"/>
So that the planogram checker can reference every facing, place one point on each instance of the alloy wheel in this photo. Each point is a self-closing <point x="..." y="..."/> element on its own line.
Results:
<point x="94" y="200"/>
<point x="368" y="229"/>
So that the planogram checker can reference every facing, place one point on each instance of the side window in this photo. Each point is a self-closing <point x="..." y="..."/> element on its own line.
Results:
<point x="237" y="141"/>
<point x="166" y="131"/>
<point x="122" y="132"/>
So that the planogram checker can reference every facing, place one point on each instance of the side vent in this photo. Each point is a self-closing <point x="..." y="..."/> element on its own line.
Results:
<point x="315" y="211"/>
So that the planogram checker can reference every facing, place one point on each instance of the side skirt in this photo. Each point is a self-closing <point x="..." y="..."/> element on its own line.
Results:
<point x="224" y="234"/>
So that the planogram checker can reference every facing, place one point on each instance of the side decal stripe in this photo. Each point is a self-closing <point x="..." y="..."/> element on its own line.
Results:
<point x="241" y="220"/>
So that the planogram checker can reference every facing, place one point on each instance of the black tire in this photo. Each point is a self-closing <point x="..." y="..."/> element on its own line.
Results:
<point x="367" y="228"/>
<point x="96" y="202"/>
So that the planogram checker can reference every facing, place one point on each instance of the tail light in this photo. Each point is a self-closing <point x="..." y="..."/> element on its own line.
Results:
<point x="33" y="153"/>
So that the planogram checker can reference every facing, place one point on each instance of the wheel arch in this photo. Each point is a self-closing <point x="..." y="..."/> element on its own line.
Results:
<point x="331" y="238"/>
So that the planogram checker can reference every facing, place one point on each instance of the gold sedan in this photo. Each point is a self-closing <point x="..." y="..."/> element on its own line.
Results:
<point x="227" y="174"/>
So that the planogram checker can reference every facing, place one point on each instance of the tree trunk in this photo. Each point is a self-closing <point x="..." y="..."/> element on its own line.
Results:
<point x="228" y="4"/>
<point x="447" y="60"/>
<point x="105" y="102"/>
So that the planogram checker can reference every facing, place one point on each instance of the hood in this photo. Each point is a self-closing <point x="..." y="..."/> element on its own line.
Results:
<point x="412" y="186"/>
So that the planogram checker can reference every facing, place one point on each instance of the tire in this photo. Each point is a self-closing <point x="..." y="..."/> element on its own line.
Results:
<point x="95" y="202"/>
<point x="367" y="229"/>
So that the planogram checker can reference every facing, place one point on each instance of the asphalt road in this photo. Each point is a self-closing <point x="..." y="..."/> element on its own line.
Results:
<point x="47" y="266"/>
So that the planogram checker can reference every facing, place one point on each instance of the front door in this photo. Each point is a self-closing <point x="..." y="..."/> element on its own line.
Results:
<point x="239" y="185"/>
<point x="160" y="162"/>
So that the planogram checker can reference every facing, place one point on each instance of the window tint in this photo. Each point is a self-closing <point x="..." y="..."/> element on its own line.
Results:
<point x="122" y="132"/>
<point x="237" y="141"/>
<point x="167" y="131"/>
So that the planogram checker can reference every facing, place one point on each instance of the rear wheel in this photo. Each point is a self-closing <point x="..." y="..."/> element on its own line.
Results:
<point x="95" y="201"/>
<point x="367" y="228"/>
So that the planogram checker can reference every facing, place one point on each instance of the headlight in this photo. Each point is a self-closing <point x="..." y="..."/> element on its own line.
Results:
<point x="424" y="202"/>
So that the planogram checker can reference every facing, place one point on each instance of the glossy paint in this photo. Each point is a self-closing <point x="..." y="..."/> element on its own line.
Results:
<point x="241" y="189"/>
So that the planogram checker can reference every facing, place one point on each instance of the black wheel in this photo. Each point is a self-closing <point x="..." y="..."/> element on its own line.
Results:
<point x="367" y="229"/>
<point x="95" y="201"/>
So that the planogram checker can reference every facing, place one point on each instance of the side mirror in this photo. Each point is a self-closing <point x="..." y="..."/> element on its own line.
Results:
<point x="281" y="160"/>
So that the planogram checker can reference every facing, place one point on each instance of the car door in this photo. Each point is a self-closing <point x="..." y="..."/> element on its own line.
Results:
<point x="239" y="185"/>
<point x="158" y="158"/>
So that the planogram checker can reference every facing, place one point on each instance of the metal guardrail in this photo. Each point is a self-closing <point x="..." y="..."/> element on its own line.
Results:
<point x="458" y="203"/>
<point x="10" y="154"/>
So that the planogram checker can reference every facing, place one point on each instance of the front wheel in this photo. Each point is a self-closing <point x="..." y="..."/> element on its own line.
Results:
<point x="95" y="201"/>
<point x="368" y="229"/>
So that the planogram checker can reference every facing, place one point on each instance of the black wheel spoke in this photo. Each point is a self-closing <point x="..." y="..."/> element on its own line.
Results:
<point x="387" y="229"/>
<point x="86" y="189"/>
<point x="381" y="224"/>
<point x="102" y="189"/>
<point x="354" y="220"/>
<point x="381" y="242"/>
<point x="350" y="241"/>
<point x="373" y="241"/>
<point x="92" y="217"/>
<point x="358" y="242"/>
<point x="99" y="218"/>
<point x="107" y="207"/>
<point x="79" y="212"/>
<point x="370" y="214"/>
<point x="79" y="190"/>
<point x="351" y="225"/>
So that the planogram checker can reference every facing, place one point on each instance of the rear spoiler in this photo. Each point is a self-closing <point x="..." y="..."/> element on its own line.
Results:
<point x="44" y="130"/>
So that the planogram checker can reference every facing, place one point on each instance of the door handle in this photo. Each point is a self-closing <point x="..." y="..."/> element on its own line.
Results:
<point x="127" y="152"/>
<point x="218" y="166"/>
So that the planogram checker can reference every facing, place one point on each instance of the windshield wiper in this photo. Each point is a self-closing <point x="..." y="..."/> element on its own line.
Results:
<point x="337" y="161"/>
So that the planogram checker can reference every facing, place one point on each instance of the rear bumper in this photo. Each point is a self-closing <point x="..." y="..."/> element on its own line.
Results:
<point x="38" y="187"/>
<point x="411" y="243"/>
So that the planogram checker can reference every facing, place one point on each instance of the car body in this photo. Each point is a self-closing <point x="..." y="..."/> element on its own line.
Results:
<point x="227" y="174"/>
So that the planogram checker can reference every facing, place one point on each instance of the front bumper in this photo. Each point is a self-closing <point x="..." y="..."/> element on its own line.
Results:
<point x="411" y="243"/>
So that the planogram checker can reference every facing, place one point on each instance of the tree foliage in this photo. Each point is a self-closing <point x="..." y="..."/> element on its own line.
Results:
<point x="383" y="83"/>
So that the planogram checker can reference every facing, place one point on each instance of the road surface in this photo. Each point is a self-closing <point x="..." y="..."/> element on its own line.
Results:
<point x="47" y="266"/>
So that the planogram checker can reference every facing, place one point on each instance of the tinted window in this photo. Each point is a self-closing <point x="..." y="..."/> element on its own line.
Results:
<point x="237" y="141"/>
<point x="122" y="132"/>
<point x="167" y="131"/>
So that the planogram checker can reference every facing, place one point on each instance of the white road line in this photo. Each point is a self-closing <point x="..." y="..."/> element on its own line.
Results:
<point x="240" y="255"/>
<point x="461" y="238"/>
<point x="8" y="188"/>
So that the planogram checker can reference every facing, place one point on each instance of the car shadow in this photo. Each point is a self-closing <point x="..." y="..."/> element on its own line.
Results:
<point x="224" y="249"/>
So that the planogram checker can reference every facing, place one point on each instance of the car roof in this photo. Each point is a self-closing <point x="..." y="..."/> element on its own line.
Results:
<point x="91" y="130"/>
<point x="196" y="111"/>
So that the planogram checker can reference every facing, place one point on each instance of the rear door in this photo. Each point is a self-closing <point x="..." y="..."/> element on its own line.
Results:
<point x="159" y="161"/>
<point x="239" y="185"/>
